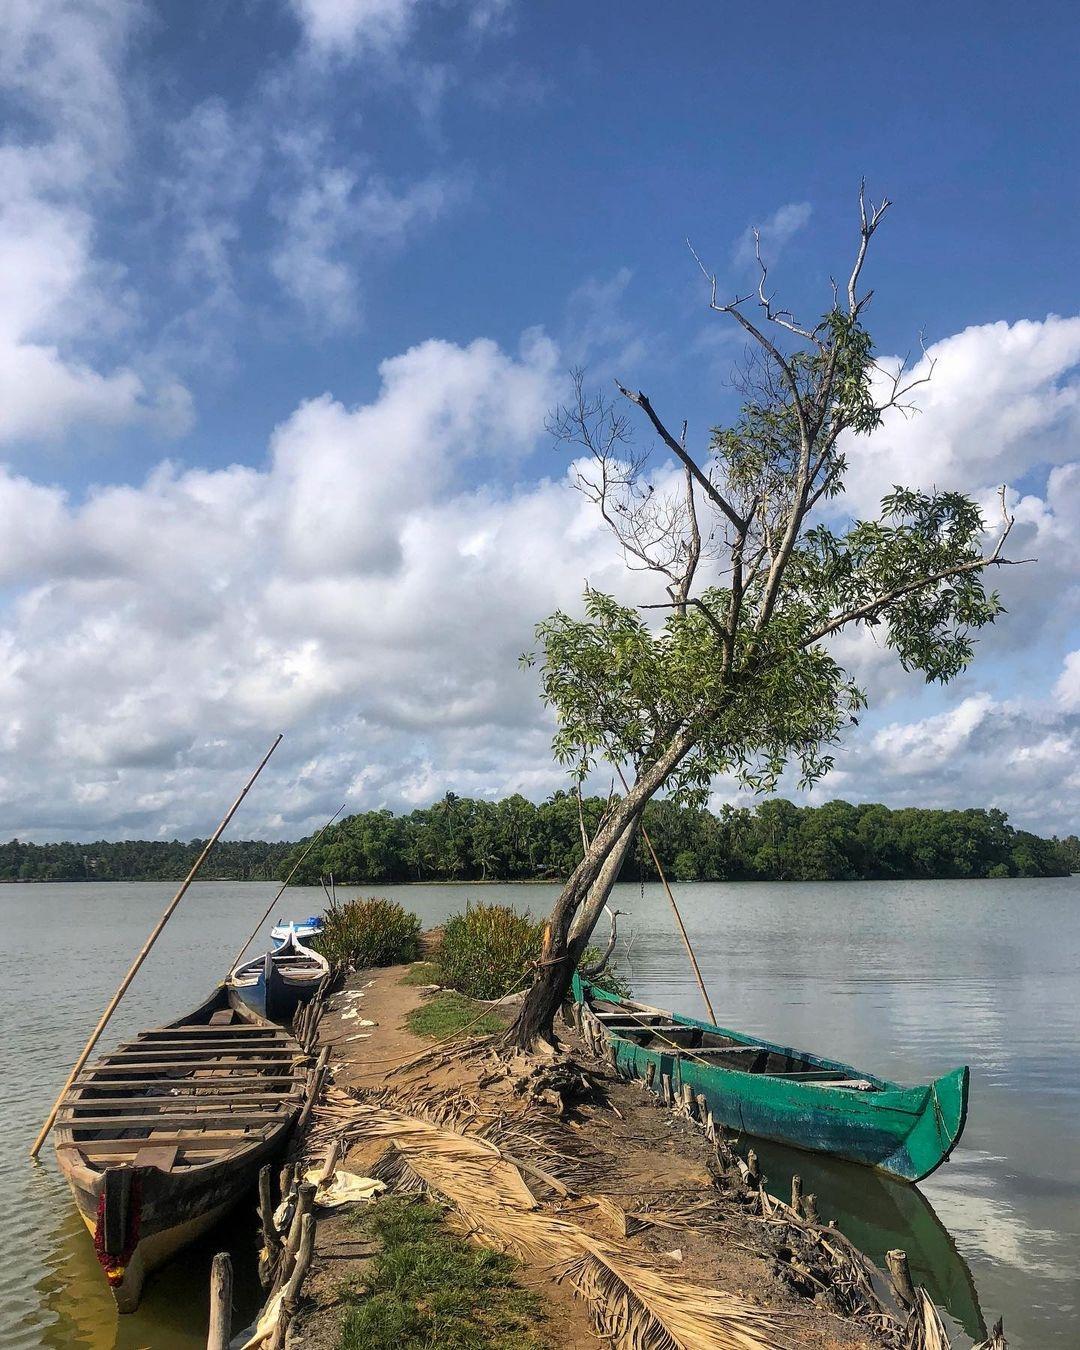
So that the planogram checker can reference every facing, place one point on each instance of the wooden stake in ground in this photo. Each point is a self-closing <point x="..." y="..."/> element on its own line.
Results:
<point x="284" y="884"/>
<point x="220" y="1332"/>
<point x="134" y="970"/>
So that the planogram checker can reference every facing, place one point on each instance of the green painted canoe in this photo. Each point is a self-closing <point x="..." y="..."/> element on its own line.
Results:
<point x="795" y="1098"/>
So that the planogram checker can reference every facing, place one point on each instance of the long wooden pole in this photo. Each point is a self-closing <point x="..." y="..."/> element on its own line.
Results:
<point x="284" y="884"/>
<point x="682" y="927"/>
<point x="134" y="970"/>
<point x="675" y="909"/>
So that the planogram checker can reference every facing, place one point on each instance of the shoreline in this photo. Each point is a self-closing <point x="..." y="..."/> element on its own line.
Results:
<point x="626" y="1173"/>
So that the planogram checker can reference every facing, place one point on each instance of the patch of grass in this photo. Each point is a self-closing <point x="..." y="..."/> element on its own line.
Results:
<point x="364" y="933"/>
<point x="422" y="972"/>
<point x="429" y="1288"/>
<point x="487" y="951"/>
<point x="446" y="1013"/>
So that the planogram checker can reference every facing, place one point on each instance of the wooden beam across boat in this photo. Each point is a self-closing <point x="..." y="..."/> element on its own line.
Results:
<point x="126" y="1066"/>
<point x="226" y="1079"/>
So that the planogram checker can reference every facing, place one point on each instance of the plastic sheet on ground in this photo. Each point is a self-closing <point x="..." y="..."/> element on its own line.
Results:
<point x="343" y="1188"/>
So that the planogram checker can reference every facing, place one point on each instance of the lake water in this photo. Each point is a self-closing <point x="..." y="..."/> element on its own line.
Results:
<point x="904" y="979"/>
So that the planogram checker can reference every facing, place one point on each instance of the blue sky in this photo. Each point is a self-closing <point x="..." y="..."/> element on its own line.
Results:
<point x="288" y="286"/>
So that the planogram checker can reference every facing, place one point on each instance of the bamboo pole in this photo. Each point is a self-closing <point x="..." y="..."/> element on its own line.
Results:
<point x="674" y="907"/>
<point x="682" y="926"/>
<point x="134" y="969"/>
<point x="284" y="885"/>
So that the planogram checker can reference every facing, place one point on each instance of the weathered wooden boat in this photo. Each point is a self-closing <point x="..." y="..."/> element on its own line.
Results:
<point x="275" y="984"/>
<point x="795" y="1098"/>
<point x="160" y="1138"/>
<point x="301" y="928"/>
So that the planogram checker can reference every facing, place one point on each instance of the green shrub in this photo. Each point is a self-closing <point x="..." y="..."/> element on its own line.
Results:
<point x="488" y="951"/>
<point x="370" y="932"/>
<point x="609" y="979"/>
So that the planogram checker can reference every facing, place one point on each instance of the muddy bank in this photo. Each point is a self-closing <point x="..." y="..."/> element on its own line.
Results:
<point x="650" y="1216"/>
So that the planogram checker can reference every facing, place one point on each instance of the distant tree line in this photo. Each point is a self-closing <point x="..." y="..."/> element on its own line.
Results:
<point x="461" y="839"/>
<point x="141" y="860"/>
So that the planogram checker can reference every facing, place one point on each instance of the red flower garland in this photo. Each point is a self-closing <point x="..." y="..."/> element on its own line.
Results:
<point x="115" y="1263"/>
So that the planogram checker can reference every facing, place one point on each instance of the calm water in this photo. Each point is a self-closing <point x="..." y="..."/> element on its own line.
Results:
<point x="904" y="979"/>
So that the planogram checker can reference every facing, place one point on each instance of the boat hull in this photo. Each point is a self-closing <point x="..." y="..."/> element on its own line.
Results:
<point x="277" y="984"/>
<point x="906" y="1132"/>
<point x="140" y="1214"/>
<point x="170" y="1218"/>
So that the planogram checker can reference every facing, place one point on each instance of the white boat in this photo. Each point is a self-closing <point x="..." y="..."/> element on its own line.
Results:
<point x="275" y="984"/>
<point x="300" y="928"/>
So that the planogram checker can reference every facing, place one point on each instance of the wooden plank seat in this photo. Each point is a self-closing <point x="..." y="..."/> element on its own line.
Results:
<point x="706" y="1050"/>
<point x="664" y="1027"/>
<point x="213" y="1034"/>
<point x="133" y="1050"/>
<point x="110" y="1066"/>
<point x="222" y="1017"/>
<point x="187" y="1100"/>
<point x="214" y="1116"/>
<point x="200" y="1049"/>
<point x="224" y="1079"/>
<point x="216" y="1141"/>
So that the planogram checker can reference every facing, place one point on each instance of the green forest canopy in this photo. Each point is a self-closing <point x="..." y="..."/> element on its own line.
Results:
<point x="461" y="839"/>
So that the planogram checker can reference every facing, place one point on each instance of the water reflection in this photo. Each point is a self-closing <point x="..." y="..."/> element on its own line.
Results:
<point x="173" y="1313"/>
<point x="879" y="1214"/>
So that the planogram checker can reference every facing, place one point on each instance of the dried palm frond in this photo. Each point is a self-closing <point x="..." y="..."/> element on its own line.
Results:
<point x="641" y="1307"/>
<point x="996" y="1340"/>
<point x="925" y="1329"/>
<point x="635" y="1303"/>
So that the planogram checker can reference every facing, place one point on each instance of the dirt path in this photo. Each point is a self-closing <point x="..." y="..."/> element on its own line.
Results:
<point x="626" y="1156"/>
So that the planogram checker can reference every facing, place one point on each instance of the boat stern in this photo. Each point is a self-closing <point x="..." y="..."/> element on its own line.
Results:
<point x="937" y="1129"/>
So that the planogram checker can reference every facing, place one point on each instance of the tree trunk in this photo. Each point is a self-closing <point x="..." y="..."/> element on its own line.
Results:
<point x="588" y="915"/>
<point x="588" y="885"/>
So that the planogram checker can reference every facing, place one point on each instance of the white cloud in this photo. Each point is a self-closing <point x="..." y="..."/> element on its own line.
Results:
<point x="775" y="233"/>
<point x="346" y="27"/>
<point x="351" y="28"/>
<point x="60" y="62"/>
<point x="1067" y="687"/>
<point x="332" y="214"/>
<point x="366" y="591"/>
<point x="1003" y="398"/>
<point x="354" y="592"/>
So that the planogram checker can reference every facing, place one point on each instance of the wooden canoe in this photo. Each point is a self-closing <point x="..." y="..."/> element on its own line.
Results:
<point x="795" y="1098"/>
<point x="160" y="1138"/>
<point x="275" y="984"/>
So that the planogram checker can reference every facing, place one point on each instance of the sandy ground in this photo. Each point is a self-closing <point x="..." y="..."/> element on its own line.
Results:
<point x="633" y="1155"/>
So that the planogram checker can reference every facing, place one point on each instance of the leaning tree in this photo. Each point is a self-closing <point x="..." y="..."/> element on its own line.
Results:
<point x="735" y="672"/>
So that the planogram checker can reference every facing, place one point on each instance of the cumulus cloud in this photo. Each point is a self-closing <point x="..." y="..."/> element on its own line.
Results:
<point x="362" y="591"/>
<point x="1001" y="400"/>
<point x="351" y="26"/>
<point x="335" y="212"/>
<point x="352" y="591"/>
<point x="60" y="62"/>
